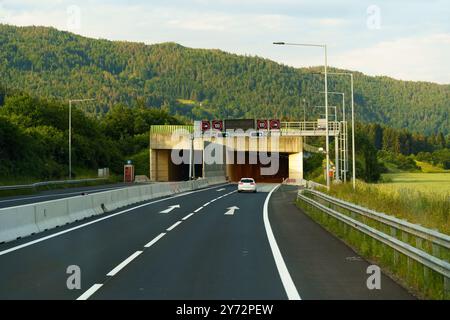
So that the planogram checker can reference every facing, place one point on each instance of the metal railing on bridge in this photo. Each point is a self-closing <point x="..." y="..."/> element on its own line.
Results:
<point x="305" y="127"/>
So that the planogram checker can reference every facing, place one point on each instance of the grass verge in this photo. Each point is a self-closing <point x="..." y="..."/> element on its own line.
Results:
<point x="416" y="205"/>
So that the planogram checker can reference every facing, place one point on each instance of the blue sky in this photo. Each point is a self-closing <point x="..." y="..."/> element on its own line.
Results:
<point x="403" y="39"/>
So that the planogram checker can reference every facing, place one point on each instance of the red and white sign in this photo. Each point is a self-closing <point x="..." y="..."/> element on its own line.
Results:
<point x="217" y="125"/>
<point x="275" y="124"/>
<point x="206" y="125"/>
<point x="261" y="124"/>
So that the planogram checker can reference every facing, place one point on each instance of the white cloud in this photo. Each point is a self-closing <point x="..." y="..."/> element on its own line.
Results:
<point x="419" y="58"/>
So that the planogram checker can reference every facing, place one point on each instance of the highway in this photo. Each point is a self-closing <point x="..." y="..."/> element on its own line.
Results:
<point x="55" y="194"/>
<point x="212" y="243"/>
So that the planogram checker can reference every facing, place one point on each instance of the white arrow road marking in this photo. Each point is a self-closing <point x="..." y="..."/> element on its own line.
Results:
<point x="231" y="210"/>
<point x="171" y="208"/>
<point x="223" y="189"/>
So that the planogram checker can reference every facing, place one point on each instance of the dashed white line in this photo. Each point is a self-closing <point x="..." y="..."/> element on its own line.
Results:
<point x="198" y="209"/>
<point x="174" y="226"/>
<point x="122" y="265"/>
<point x="188" y="216"/>
<point x="148" y="245"/>
<point x="89" y="292"/>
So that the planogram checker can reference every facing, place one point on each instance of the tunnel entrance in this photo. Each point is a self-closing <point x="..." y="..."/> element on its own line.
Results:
<point x="237" y="171"/>
<point x="180" y="172"/>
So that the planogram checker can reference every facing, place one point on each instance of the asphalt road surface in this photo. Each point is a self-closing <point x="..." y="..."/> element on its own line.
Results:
<point x="218" y="244"/>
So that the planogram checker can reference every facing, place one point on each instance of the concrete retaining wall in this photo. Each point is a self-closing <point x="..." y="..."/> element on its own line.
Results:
<point x="22" y="221"/>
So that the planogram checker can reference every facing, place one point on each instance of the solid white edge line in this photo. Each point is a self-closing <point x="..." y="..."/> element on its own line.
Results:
<point x="207" y="204"/>
<point x="97" y="220"/>
<point x="174" y="226"/>
<point x="89" y="292"/>
<point x="156" y="239"/>
<point x="286" y="279"/>
<point x="197" y="210"/>
<point x="188" y="216"/>
<point x="122" y="265"/>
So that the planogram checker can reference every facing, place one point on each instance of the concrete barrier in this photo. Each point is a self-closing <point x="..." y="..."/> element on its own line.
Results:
<point x="51" y="214"/>
<point x="80" y="207"/>
<point x="17" y="222"/>
<point x="101" y="202"/>
<point x="21" y="221"/>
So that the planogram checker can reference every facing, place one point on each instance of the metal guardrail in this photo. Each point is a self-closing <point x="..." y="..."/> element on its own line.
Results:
<point x="48" y="183"/>
<point x="405" y="226"/>
<point x="287" y="127"/>
<point x="437" y="264"/>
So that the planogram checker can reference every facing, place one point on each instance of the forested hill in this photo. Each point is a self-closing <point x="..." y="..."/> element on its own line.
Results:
<point x="201" y="83"/>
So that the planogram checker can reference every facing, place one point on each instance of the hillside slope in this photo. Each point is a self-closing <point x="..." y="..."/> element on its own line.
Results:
<point x="49" y="63"/>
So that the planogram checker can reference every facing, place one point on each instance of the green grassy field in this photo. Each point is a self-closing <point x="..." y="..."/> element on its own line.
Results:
<point x="430" y="183"/>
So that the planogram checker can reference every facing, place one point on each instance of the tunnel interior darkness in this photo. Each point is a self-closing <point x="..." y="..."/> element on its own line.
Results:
<point x="247" y="170"/>
<point x="234" y="171"/>
<point x="180" y="172"/>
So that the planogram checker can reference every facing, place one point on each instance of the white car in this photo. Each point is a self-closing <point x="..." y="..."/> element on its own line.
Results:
<point x="247" y="184"/>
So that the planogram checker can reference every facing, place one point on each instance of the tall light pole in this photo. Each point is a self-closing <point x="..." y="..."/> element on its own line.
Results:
<point x="324" y="47"/>
<point x="345" y="155"/>
<point x="70" y="131"/>
<point x="353" y="126"/>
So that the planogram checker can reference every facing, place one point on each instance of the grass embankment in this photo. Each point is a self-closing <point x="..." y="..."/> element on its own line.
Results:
<point x="414" y="197"/>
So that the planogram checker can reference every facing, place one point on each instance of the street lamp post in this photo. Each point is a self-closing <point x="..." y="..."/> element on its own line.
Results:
<point x="353" y="126"/>
<point x="345" y="155"/>
<point x="323" y="46"/>
<point x="70" y="131"/>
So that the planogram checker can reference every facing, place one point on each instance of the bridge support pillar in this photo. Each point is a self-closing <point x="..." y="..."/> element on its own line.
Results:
<point x="159" y="165"/>
<point x="296" y="165"/>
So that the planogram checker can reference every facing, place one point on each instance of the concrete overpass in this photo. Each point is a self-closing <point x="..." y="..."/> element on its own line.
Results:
<point x="243" y="151"/>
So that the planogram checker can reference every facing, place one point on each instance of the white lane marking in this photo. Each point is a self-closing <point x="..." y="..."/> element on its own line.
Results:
<point x="60" y="194"/>
<point x="89" y="292"/>
<point x="198" y="209"/>
<point x="231" y="210"/>
<point x="188" y="216"/>
<point x="223" y="189"/>
<point x="156" y="239"/>
<point x="286" y="279"/>
<point x="213" y="200"/>
<point x="171" y="208"/>
<point x="173" y="226"/>
<point x="122" y="265"/>
<point x="207" y="204"/>
<point x="95" y="221"/>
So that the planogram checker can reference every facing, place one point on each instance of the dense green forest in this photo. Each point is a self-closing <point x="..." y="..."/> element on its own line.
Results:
<point x="197" y="83"/>
<point x="34" y="133"/>
<point x="135" y="86"/>
<point x="34" y="137"/>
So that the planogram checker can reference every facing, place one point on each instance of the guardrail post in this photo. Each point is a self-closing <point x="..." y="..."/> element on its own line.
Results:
<point x="436" y="250"/>
<point x="446" y="287"/>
